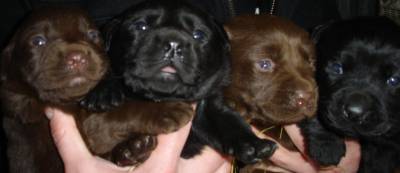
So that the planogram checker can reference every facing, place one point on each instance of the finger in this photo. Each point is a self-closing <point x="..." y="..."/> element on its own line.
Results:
<point x="295" y="135"/>
<point x="274" y="168"/>
<point x="194" y="105"/>
<point x="208" y="161"/>
<point x="167" y="153"/>
<point x="225" y="168"/>
<point x="66" y="136"/>
<point x="350" y="162"/>
<point x="289" y="160"/>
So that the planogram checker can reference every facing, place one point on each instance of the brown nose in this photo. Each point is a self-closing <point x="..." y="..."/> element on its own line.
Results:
<point x="76" y="60"/>
<point x="304" y="100"/>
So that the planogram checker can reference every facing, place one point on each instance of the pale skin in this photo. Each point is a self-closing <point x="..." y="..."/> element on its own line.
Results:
<point x="166" y="157"/>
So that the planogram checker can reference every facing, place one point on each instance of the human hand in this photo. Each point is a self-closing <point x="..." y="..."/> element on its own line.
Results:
<point x="287" y="161"/>
<point x="78" y="159"/>
<point x="348" y="164"/>
<point x="164" y="159"/>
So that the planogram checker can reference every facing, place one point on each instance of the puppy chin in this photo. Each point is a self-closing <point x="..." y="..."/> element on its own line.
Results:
<point x="67" y="89"/>
<point x="371" y="130"/>
<point x="64" y="95"/>
<point x="163" y="87"/>
<point x="167" y="77"/>
<point x="77" y="81"/>
<point x="365" y="129"/>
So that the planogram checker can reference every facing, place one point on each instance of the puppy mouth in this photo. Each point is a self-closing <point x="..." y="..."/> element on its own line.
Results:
<point x="168" y="70"/>
<point x="80" y="78"/>
<point x="76" y="81"/>
<point x="366" y="126"/>
<point x="378" y="130"/>
<point x="168" y="73"/>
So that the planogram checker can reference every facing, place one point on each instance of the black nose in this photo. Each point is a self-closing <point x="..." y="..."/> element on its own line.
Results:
<point x="173" y="49"/>
<point x="356" y="107"/>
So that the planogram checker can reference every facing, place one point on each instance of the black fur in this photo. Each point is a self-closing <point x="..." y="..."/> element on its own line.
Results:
<point x="158" y="34"/>
<point x="358" y="73"/>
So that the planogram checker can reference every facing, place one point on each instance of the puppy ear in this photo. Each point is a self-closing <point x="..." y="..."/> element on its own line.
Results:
<point x="222" y="33"/>
<point x="6" y="57"/>
<point x="109" y="30"/>
<point x="231" y="29"/>
<point x="228" y="32"/>
<point x="318" y="30"/>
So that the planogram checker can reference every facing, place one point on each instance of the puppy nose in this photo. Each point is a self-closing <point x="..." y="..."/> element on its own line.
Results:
<point x="302" y="98"/>
<point x="354" y="110"/>
<point x="305" y="101"/>
<point x="356" y="107"/>
<point x="76" y="60"/>
<point x="173" y="49"/>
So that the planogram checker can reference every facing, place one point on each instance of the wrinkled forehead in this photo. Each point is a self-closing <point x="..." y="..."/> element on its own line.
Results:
<point x="182" y="15"/>
<point x="57" y="25"/>
<point x="283" y="47"/>
<point x="370" y="53"/>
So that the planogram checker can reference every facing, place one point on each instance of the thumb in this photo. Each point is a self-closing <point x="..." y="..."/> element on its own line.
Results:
<point x="66" y="136"/>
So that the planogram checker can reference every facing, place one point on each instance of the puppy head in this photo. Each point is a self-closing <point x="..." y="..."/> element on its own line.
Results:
<point x="56" y="55"/>
<point x="169" y="49"/>
<point x="359" y="77"/>
<point x="272" y="69"/>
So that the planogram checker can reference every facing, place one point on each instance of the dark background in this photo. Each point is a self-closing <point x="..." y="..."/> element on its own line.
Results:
<point x="306" y="13"/>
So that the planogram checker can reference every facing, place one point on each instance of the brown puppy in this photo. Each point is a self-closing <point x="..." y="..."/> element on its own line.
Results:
<point x="54" y="59"/>
<point x="272" y="73"/>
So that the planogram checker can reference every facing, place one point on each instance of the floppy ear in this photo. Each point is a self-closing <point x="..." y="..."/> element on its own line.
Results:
<point x="228" y="32"/>
<point x="318" y="30"/>
<point x="108" y="31"/>
<point x="234" y="30"/>
<point x="6" y="57"/>
<point x="222" y="34"/>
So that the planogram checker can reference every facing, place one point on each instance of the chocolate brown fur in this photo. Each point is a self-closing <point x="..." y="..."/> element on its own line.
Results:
<point x="282" y="92"/>
<point x="54" y="59"/>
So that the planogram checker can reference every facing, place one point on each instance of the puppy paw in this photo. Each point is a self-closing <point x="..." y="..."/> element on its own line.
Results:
<point x="133" y="151"/>
<point x="252" y="151"/>
<point x="327" y="152"/>
<point x="172" y="116"/>
<point x="103" y="98"/>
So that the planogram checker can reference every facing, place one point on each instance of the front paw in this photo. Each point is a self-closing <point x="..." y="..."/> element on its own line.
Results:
<point x="103" y="98"/>
<point x="172" y="116"/>
<point x="133" y="151"/>
<point x="327" y="152"/>
<point x="252" y="151"/>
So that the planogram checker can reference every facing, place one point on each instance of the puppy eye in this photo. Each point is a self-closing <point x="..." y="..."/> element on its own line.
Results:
<point x="140" y="26"/>
<point x="199" y="35"/>
<point x="393" y="81"/>
<point x="337" y="68"/>
<point x="39" y="40"/>
<point x="265" y="65"/>
<point x="93" y="35"/>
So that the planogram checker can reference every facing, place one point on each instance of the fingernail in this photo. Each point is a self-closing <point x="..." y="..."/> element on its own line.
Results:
<point x="49" y="113"/>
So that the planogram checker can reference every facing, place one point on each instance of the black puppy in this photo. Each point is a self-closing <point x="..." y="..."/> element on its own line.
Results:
<point x="358" y="73"/>
<point x="170" y="51"/>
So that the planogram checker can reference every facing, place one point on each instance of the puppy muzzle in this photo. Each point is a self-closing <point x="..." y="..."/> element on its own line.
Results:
<point x="173" y="51"/>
